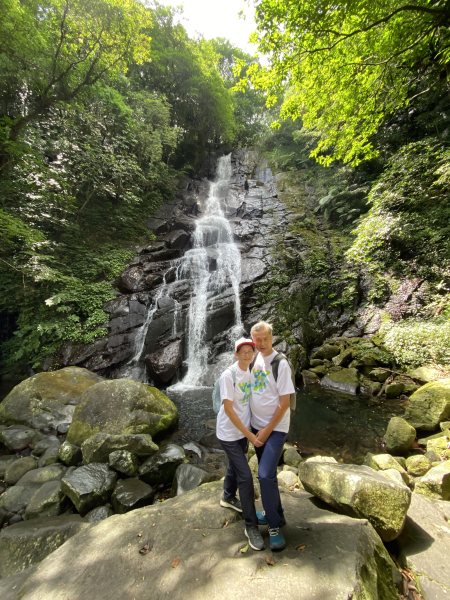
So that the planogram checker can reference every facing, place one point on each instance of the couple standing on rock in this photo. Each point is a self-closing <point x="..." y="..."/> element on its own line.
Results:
<point x="255" y="407"/>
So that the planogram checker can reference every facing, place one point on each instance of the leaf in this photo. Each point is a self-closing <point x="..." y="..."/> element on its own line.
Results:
<point x="244" y="549"/>
<point x="175" y="562"/>
<point x="145" y="550"/>
<point x="140" y="534"/>
<point x="301" y="547"/>
<point x="270" y="561"/>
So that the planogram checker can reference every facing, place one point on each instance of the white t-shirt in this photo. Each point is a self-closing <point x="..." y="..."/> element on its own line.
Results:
<point x="266" y="391"/>
<point x="240" y="395"/>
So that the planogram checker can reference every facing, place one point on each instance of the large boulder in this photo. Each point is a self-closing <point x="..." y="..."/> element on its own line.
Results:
<point x="425" y="374"/>
<point x="361" y="492"/>
<point x="188" y="477"/>
<point x="400" y="436"/>
<point x="121" y="406"/>
<point x="27" y="543"/>
<point x="98" y="447"/>
<point x="163" y="364"/>
<point x="436" y="482"/>
<point x="19" y="437"/>
<point x="18" y="469"/>
<point x="46" y="502"/>
<point x="131" y="494"/>
<point x="327" y="351"/>
<point x="341" y="558"/>
<point x="17" y="497"/>
<point x="344" y="380"/>
<point x="429" y="405"/>
<point x="89" y="486"/>
<point x="160" y="468"/>
<point x="418" y="465"/>
<point x="46" y="399"/>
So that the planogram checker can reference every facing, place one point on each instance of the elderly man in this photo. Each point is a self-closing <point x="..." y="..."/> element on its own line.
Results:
<point x="269" y="404"/>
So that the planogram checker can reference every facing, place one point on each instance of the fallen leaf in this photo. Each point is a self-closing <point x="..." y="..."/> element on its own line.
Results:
<point x="177" y="504"/>
<point x="301" y="547"/>
<point x="270" y="561"/>
<point x="129" y="543"/>
<point x="204" y="534"/>
<point x="175" y="562"/>
<point x="145" y="550"/>
<point x="153" y="524"/>
<point x="244" y="549"/>
<point x="140" y="534"/>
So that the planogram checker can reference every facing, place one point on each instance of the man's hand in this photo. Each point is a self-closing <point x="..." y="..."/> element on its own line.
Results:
<point x="256" y="442"/>
<point x="262" y="435"/>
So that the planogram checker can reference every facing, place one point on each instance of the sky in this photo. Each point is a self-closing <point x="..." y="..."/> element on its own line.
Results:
<point x="216" y="18"/>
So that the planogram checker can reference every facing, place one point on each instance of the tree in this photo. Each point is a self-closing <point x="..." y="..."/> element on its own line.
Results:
<point x="51" y="52"/>
<point x="351" y="64"/>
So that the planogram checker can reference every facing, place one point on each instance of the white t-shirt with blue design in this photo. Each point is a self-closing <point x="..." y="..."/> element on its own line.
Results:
<point x="240" y="395"/>
<point x="266" y="392"/>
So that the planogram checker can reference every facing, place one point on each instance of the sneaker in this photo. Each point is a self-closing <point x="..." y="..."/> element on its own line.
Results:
<point x="255" y="540"/>
<point x="262" y="518"/>
<point x="277" y="541"/>
<point x="231" y="503"/>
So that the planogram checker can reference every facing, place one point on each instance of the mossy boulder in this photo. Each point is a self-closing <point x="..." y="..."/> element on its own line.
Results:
<point x="124" y="462"/>
<point x="291" y="457"/>
<point x="439" y="446"/>
<point x="429" y="405"/>
<point x="386" y="462"/>
<point x="98" y="447"/>
<point x="327" y="351"/>
<point x="425" y="374"/>
<point x="89" y="486"/>
<point x="46" y="399"/>
<point x="436" y="483"/>
<point x="344" y="380"/>
<point x="394" y="389"/>
<point x="360" y="492"/>
<point x="69" y="454"/>
<point x="18" y="469"/>
<point x="121" y="406"/>
<point x="418" y="465"/>
<point x="46" y="502"/>
<point x="400" y="436"/>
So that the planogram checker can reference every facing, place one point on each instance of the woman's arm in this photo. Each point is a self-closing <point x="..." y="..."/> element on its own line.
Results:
<point x="231" y="414"/>
<point x="285" y="403"/>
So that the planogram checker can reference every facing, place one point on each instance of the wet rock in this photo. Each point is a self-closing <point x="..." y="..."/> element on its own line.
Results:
<point x="292" y="457"/>
<point x="18" y="437"/>
<point x="121" y="406"/>
<point x="379" y="375"/>
<point x="160" y="468"/>
<point x="29" y="542"/>
<point x="429" y="405"/>
<point x="118" y="307"/>
<point x="18" y="469"/>
<point x="124" y="462"/>
<point x="345" y="380"/>
<point x="393" y="390"/>
<point x="177" y="239"/>
<point x="40" y="476"/>
<point x="5" y="462"/>
<point x="131" y="494"/>
<point x="287" y="479"/>
<point x="163" y="364"/>
<point x="130" y="281"/>
<point x="418" y="465"/>
<point x="46" y="502"/>
<point x="50" y="456"/>
<point x="210" y="441"/>
<point x="400" y="436"/>
<point x="43" y="445"/>
<point x="63" y="428"/>
<point x="211" y="424"/>
<point x="188" y="477"/>
<point x="349" y="549"/>
<point x="194" y="448"/>
<point x="17" y="497"/>
<point x="98" y="514"/>
<point x="98" y="447"/>
<point x="309" y="378"/>
<point x="326" y="351"/>
<point x="436" y="482"/>
<point x="439" y="446"/>
<point x="252" y="269"/>
<point x="361" y="492"/>
<point x="69" y="454"/>
<point x="89" y="486"/>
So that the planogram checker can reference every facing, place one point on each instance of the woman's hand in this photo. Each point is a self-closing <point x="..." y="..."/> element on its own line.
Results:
<point x="255" y="441"/>
<point x="262" y="435"/>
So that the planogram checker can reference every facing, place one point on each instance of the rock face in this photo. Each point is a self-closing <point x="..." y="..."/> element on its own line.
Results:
<point x="345" y="380"/>
<point x="429" y="405"/>
<point x="121" y="406"/>
<point x="161" y="467"/>
<point x="46" y="502"/>
<point x="424" y="546"/>
<point x="400" y="436"/>
<point x="163" y="364"/>
<point x="343" y="557"/>
<point x="27" y="543"/>
<point x="89" y="486"/>
<point x="98" y="447"/>
<point x="46" y="399"/>
<point x="360" y="492"/>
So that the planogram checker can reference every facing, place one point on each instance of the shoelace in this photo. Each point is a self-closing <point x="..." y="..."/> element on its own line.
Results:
<point x="274" y="531"/>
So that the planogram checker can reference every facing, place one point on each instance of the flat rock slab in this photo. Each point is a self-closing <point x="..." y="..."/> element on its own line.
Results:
<point x="28" y="542"/>
<point x="425" y="545"/>
<point x="10" y="586"/>
<point x="342" y="558"/>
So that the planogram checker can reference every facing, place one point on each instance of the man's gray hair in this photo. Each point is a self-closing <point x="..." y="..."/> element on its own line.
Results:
<point x="260" y="327"/>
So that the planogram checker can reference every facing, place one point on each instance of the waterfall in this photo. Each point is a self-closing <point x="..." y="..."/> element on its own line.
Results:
<point x="212" y="266"/>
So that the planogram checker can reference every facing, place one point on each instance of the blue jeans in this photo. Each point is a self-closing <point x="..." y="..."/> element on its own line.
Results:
<point x="268" y="458"/>
<point x="238" y="475"/>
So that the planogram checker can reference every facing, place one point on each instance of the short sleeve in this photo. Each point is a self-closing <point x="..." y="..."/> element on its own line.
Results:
<point x="226" y="386"/>
<point x="284" y="381"/>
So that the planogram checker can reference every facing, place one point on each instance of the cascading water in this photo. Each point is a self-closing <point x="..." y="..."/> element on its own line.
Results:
<point x="212" y="266"/>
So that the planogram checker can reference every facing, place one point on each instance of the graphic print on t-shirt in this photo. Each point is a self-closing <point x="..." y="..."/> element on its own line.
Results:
<point x="246" y="389"/>
<point x="260" y="380"/>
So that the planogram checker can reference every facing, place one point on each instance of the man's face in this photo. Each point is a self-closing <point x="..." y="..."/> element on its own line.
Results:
<point x="263" y="341"/>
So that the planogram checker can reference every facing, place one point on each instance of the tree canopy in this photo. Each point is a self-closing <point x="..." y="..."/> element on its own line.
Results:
<point x="344" y="67"/>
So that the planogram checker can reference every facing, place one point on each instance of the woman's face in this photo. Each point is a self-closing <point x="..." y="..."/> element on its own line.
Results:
<point x="245" y="354"/>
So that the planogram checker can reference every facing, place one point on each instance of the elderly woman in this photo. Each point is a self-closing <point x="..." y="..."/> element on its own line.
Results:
<point x="233" y="432"/>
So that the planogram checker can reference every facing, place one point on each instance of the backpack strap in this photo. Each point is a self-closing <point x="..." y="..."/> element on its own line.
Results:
<point x="233" y="374"/>
<point x="252" y="364"/>
<point x="275" y="364"/>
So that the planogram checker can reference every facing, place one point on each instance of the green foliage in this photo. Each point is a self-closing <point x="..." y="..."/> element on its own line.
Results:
<point x="349" y="66"/>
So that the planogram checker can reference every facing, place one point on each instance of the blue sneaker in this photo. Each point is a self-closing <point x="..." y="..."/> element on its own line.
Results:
<point x="262" y="518"/>
<point x="277" y="541"/>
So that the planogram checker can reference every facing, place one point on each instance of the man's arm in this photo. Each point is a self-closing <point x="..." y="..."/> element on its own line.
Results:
<point x="231" y="414"/>
<point x="285" y="403"/>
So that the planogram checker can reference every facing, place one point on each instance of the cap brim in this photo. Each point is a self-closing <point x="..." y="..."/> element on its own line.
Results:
<point x="244" y="344"/>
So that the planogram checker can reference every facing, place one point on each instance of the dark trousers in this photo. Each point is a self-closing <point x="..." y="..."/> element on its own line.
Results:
<point x="268" y="458"/>
<point x="238" y="475"/>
